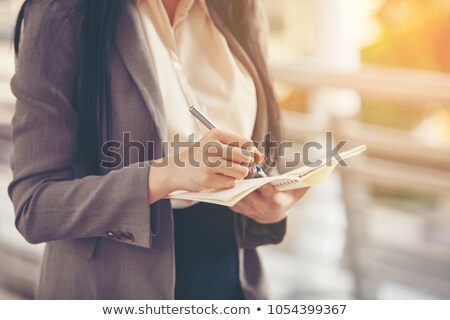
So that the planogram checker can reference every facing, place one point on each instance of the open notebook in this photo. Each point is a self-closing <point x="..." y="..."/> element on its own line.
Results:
<point x="298" y="178"/>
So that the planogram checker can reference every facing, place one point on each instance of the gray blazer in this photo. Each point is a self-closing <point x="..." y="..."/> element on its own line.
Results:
<point x="78" y="216"/>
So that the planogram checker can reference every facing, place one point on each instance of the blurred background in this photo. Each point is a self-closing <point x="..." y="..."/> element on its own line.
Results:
<point x="371" y="71"/>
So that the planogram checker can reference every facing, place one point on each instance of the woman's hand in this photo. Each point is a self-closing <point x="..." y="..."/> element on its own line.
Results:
<point x="217" y="161"/>
<point x="267" y="205"/>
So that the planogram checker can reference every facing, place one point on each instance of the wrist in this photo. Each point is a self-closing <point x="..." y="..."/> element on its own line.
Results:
<point x="172" y="176"/>
<point x="160" y="182"/>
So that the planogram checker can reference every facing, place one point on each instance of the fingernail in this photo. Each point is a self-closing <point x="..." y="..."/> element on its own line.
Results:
<point x="247" y="153"/>
<point x="261" y="158"/>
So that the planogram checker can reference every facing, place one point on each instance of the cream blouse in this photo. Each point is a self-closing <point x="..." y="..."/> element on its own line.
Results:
<point x="194" y="65"/>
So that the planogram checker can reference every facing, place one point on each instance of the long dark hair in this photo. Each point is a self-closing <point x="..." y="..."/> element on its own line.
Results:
<point x="93" y="103"/>
<point x="93" y="98"/>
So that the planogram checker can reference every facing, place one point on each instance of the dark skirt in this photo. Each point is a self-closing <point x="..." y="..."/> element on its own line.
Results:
<point x="206" y="255"/>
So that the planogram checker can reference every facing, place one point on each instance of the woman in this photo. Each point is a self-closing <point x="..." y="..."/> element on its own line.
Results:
<point x="99" y="80"/>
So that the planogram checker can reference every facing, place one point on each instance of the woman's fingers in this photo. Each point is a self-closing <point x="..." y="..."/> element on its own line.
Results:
<point x="218" y="181"/>
<point x="235" y="140"/>
<point x="231" y="169"/>
<point x="298" y="193"/>
<point x="246" y="206"/>
<point x="220" y="159"/>
<point x="267" y="205"/>
<point x="235" y="154"/>
<point x="266" y="191"/>
<point x="257" y="155"/>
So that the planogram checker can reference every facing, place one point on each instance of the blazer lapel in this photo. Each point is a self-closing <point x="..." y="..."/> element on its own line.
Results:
<point x="131" y="45"/>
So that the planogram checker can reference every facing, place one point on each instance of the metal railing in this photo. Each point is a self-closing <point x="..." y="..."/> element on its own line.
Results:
<point x="396" y="160"/>
<point x="371" y="81"/>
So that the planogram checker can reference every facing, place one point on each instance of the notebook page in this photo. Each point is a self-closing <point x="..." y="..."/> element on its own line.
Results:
<point x="242" y="188"/>
<point x="287" y="181"/>
<point x="305" y="170"/>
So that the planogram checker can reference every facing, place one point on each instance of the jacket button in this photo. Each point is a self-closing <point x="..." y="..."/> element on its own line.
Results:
<point x="130" y="237"/>
<point x="120" y="235"/>
<point x="111" y="235"/>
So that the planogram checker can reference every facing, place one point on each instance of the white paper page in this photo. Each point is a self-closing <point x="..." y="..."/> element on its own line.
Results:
<point x="344" y="155"/>
<point x="244" y="187"/>
<point x="225" y="194"/>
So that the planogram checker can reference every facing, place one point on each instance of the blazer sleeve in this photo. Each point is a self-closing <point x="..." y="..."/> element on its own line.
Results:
<point x="50" y="202"/>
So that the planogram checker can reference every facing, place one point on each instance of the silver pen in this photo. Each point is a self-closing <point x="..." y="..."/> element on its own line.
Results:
<point x="210" y="125"/>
